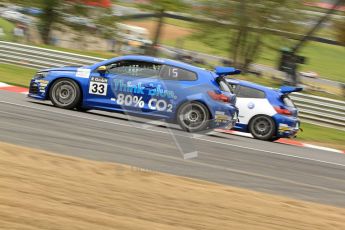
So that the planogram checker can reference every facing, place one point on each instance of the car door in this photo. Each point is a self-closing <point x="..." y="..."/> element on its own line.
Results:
<point x="132" y="84"/>
<point x="142" y="84"/>
<point x="98" y="93"/>
<point x="250" y="102"/>
<point x="136" y="86"/>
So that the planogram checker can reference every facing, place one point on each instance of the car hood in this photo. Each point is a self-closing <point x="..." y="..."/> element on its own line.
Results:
<point x="65" y="68"/>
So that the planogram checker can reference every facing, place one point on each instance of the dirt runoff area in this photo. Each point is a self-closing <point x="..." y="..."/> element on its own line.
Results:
<point x="39" y="190"/>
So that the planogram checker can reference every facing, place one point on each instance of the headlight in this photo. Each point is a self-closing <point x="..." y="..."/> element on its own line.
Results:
<point x="42" y="74"/>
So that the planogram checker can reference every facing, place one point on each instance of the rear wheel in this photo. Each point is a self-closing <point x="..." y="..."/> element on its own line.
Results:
<point x="65" y="93"/>
<point x="193" y="116"/>
<point x="263" y="127"/>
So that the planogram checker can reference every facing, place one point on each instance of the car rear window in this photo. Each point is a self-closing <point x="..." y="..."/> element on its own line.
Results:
<point x="287" y="101"/>
<point x="224" y="85"/>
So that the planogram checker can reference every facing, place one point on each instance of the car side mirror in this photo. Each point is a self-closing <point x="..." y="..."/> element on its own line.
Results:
<point x="102" y="70"/>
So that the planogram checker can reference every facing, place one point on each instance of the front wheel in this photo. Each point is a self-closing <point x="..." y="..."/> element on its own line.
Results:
<point x="273" y="139"/>
<point x="263" y="128"/>
<point x="65" y="93"/>
<point x="193" y="116"/>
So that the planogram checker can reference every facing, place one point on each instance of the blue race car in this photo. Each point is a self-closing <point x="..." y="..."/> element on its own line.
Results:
<point x="195" y="98"/>
<point x="268" y="114"/>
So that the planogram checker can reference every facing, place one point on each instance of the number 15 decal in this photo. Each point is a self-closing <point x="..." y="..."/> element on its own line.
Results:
<point x="98" y="86"/>
<point x="173" y="72"/>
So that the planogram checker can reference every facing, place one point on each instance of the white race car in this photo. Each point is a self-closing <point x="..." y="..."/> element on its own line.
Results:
<point x="268" y="114"/>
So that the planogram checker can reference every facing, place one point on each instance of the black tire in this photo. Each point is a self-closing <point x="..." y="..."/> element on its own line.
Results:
<point x="274" y="139"/>
<point x="81" y="109"/>
<point x="193" y="116"/>
<point x="263" y="128"/>
<point x="65" y="93"/>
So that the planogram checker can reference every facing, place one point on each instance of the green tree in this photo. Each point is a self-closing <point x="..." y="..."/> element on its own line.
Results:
<point x="48" y="18"/>
<point x="55" y="10"/>
<point x="160" y="7"/>
<point x="245" y="22"/>
<point x="104" y="24"/>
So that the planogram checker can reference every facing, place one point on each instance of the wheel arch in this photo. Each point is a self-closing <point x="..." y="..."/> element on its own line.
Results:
<point x="64" y="77"/>
<point x="188" y="101"/>
<point x="264" y="115"/>
<point x="69" y="78"/>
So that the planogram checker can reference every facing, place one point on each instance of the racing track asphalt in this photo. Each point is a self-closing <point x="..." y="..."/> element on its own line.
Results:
<point x="302" y="173"/>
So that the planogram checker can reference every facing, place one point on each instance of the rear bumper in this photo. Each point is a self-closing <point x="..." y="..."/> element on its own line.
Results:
<point x="225" y="119"/>
<point x="286" y="126"/>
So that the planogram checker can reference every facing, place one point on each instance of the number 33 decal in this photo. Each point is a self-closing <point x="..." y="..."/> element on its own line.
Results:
<point x="98" y="88"/>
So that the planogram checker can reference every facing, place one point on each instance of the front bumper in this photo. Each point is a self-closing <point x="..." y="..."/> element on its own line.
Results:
<point x="37" y="89"/>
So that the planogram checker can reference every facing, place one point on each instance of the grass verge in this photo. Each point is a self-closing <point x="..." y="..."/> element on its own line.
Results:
<point x="40" y="190"/>
<point x="8" y="29"/>
<point x="327" y="60"/>
<point x="16" y="75"/>
<point x="318" y="135"/>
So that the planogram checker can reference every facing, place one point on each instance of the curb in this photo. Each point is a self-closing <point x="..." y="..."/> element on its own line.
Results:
<point x="15" y="89"/>
<point x="285" y="141"/>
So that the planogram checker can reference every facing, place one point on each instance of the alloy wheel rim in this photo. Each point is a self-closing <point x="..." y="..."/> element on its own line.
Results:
<point x="193" y="116"/>
<point x="262" y="126"/>
<point x="64" y="93"/>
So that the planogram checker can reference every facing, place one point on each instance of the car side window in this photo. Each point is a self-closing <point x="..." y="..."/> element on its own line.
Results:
<point x="178" y="74"/>
<point x="247" y="92"/>
<point x="135" y="68"/>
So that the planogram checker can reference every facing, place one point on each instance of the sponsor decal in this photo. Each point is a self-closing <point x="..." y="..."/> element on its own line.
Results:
<point x="138" y="102"/>
<point x="138" y="88"/>
<point x="42" y="85"/>
<point x="98" y="86"/>
<point x="221" y="117"/>
<point x="129" y="94"/>
<point x="251" y="105"/>
<point x="83" y="73"/>
<point x="284" y="128"/>
<point x="41" y="81"/>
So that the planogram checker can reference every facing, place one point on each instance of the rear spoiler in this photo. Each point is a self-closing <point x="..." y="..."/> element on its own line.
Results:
<point x="289" y="89"/>
<point x="224" y="71"/>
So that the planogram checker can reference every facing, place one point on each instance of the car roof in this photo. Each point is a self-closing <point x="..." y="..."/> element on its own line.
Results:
<point x="158" y="60"/>
<point x="250" y="84"/>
